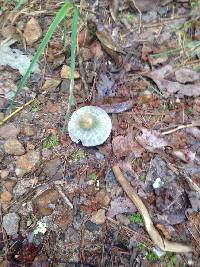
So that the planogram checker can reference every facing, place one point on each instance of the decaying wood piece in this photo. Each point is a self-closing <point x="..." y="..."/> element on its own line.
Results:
<point x="159" y="241"/>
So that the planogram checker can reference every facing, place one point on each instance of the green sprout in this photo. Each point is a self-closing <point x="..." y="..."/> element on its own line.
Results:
<point x="141" y="246"/>
<point x="189" y="110"/>
<point x="171" y="260"/>
<point x="151" y="256"/>
<point x="142" y="177"/>
<point x="92" y="176"/>
<point x="51" y="142"/>
<point x="136" y="218"/>
<point x="78" y="155"/>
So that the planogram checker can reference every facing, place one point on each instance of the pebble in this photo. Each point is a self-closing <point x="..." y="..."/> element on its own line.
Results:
<point x="99" y="217"/>
<point x="27" y="162"/>
<point x="11" y="223"/>
<point x="29" y="130"/>
<point x="32" y="31"/>
<point x="5" y="199"/>
<point x="9" y="131"/>
<point x="52" y="166"/>
<point x="90" y="226"/>
<point x="14" y="147"/>
<point x="51" y="85"/>
<point x="22" y="187"/>
<point x="4" y="174"/>
<point x="103" y="198"/>
<point x="9" y="184"/>
<point x="66" y="73"/>
<point x="122" y="219"/>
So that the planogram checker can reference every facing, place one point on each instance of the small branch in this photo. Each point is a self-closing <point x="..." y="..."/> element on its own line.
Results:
<point x="66" y="200"/>
<point x="15" y="112"/>
<point x="180" y="127"/>
<point x="152" y="231"/>
<point x="140" y="15"/>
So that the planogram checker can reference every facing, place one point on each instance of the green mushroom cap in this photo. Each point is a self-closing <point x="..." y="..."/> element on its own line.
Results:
<point x="91" y="125"/>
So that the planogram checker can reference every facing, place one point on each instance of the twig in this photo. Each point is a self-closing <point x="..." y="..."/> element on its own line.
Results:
<point x="66" y="200"/>
<point x="15" y="112"/>
<point x="140" y="15"/>
<point x="180" y="127"/>
<point x="152" y="231"/>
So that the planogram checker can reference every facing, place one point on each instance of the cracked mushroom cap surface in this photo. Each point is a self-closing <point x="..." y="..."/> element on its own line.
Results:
<point x="91" y="125"/>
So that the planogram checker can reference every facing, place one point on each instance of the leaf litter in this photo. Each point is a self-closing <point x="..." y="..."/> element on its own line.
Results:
<point x="136" y="64"/>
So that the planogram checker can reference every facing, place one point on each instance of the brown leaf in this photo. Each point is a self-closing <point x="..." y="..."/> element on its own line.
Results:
<point x="118" y="107"/>
<point x="151" y="140"/>
<point x="123" y="145"/>
<point x="110" y="45"/>
<point x="173" y="87"/>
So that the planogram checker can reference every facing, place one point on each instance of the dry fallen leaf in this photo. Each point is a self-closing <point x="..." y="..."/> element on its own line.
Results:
<point x="32" y="31"/>
<point x="151" y="140"/>
<point x="173" y="87"/>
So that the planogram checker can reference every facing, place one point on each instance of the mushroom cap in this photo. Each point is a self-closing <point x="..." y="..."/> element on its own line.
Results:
<point x="91" y="125"/>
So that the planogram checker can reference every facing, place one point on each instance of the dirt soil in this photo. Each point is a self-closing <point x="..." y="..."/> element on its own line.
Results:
<point x="61" y="202"/>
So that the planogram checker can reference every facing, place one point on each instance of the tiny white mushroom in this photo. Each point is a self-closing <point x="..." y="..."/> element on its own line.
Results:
<point x="91" y="125"/>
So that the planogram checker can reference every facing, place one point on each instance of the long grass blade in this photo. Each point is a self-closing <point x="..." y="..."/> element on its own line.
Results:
<point x="73" y="53"/>
<point x="72" y="65"/>
<point x="59" y="17"/>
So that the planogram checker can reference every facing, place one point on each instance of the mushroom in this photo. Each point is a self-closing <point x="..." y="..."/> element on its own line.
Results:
<point x="91" y="125"/>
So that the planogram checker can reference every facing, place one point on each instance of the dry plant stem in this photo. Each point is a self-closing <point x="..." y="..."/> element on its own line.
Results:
<point x="140" y="15"/>
<point x="15" y="112"/>
<point x="180" y="127"/>
<point x="152" y="231"/>
<point x="66" y="200"/>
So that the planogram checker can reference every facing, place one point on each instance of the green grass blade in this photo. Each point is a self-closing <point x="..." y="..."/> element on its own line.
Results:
<point x="73" y="52"/>
<point x="59" y="17"/>
<point x="72" y="64"/>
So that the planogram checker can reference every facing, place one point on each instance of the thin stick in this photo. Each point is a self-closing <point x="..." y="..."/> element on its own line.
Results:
<point x="15" y="112"/>
<point x="140" y="15"/>
<point x="152" y="231"/>
<point x="180" y="127"/>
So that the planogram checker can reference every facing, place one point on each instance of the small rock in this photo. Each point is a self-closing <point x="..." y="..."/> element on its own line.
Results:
<point x="123" y="219"/>
<point x="5" y="199"/>
<point x="27" y="162"/>
<point x="50" y="85"/>
<point x="45" y="202"/>
<point x="9" y="184"/>
<point x="11" y="223"/>
<point x="32" y="31"/>
<point x="29" y="130"/>
<point x="103" y="198"/>
<point x="14" y="147"/>
<point x="66" y="73"/>
<point x="99" y="217"/>
<point x="58" y="61"/>
<point x="51" y="167"/>
<point x="22" y="187"/>
<point x="65" y="86"/>
<point x="9" y="131"/>
<point x="1" y="116"/>
<point x="4" y="174"/>
<point x="91" y="227"/>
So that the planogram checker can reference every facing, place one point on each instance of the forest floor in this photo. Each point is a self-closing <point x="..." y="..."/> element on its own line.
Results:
<point x="62" y="204"/>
